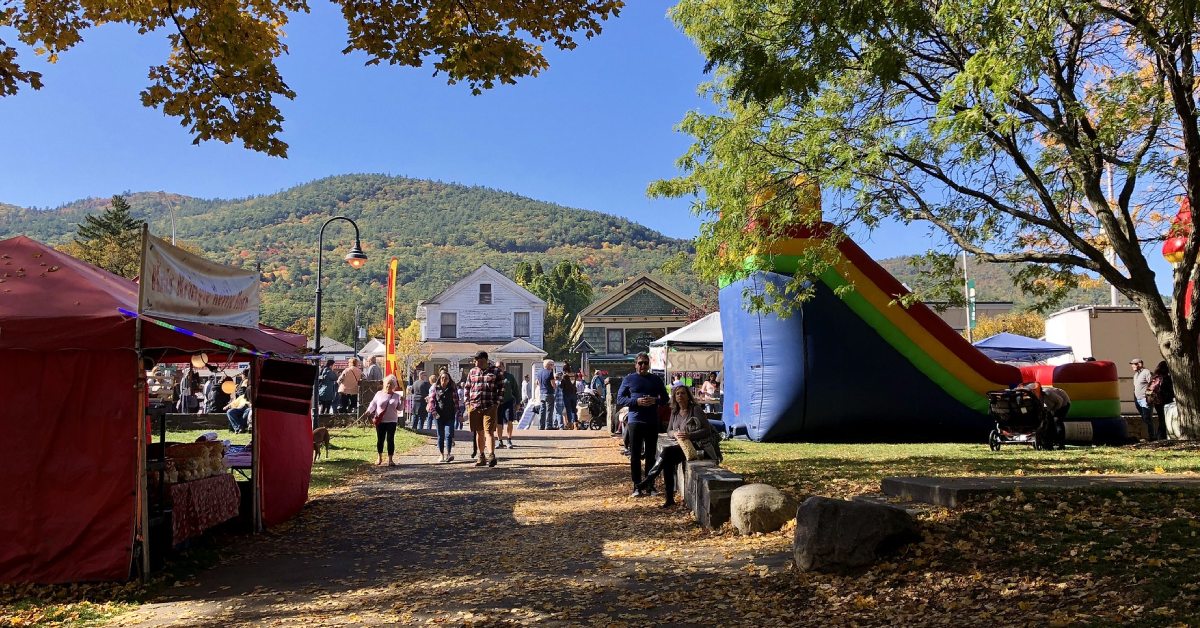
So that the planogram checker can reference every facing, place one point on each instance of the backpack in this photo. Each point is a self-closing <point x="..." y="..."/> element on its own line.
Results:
<point x="1154" y="391"/>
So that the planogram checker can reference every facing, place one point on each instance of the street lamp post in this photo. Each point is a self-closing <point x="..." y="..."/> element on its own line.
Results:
<point x="357" y="259"/>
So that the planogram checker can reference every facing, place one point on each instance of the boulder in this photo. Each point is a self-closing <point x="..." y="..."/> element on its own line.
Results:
<point x="838" y="535"/>
<point x="759" y="508"/>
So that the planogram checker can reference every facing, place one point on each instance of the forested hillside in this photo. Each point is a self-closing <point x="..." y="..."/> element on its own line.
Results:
<point x="438" y="232"/>
<point x="994" y="282"/>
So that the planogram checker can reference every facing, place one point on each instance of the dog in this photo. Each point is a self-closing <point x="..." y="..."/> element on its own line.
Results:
<point x="320" y="437"/>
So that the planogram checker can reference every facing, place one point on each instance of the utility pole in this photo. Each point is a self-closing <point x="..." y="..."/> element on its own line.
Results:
<point x="969" y="293"/>
<point x="354" y="332"/>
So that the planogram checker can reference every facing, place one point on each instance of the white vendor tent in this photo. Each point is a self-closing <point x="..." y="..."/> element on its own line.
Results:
<point x="695" y="348"/>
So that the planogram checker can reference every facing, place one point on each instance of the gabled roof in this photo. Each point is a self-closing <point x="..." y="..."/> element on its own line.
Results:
<point x="496" y="276"/>
<point x="627" y="289"/>
<point x="520" y="345"/>
<point x="374" y="346"/>
<point x="329" y="345"/>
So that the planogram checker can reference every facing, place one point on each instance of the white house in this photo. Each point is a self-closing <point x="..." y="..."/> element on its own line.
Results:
<point x="484" y="311"/>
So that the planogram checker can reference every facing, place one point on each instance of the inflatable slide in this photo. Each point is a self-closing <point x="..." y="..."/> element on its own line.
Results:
<point x="859" y="367"/>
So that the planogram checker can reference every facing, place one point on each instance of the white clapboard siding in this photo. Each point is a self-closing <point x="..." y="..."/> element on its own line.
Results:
<point x="484" y="322"/>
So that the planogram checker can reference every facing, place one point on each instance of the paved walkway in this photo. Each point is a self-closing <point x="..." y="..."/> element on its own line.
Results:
<point x="548" y="537"/>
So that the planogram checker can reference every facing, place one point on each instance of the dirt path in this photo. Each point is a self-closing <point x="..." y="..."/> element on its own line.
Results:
<point x="549" y="537"/>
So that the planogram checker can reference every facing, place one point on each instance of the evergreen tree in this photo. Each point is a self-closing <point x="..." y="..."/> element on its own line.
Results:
<point x="110" y="240"/>
<point x="566" y="289"/>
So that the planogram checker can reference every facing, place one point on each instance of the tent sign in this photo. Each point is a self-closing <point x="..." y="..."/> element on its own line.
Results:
<point x="180" y="285"/>
<point x="691" y="361"/>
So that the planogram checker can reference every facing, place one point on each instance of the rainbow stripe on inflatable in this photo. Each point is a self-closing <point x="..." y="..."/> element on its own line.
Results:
<point x="925" y="340"/>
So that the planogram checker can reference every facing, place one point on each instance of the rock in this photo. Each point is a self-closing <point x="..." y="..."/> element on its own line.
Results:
<point x="759" y="508"/>
<point x="836" y="535"/>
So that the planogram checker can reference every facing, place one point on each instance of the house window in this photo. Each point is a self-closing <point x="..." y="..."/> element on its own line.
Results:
<point x="449" y="325"/>
<point x="616" y="341"/>
<point x="485" y="294"/>
<point x="520" y="324"/>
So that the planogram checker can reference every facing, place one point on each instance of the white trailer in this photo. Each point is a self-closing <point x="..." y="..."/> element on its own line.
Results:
<point x="1113" y="333"/>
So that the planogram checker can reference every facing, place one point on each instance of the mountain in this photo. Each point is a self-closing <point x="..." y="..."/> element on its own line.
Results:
<point x="439" y="232"/>
<point x="993" y="282"/>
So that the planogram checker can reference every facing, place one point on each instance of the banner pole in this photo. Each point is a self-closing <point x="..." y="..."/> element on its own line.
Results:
<point x="143" y="493"/>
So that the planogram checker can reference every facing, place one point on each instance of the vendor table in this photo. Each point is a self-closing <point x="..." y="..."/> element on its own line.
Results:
<point x="201" y="504"/>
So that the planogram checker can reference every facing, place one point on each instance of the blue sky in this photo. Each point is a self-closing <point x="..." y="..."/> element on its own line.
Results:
<point x="591" y="132"/>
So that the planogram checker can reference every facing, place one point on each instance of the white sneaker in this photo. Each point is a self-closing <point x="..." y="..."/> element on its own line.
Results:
<point x="450" y="458"/>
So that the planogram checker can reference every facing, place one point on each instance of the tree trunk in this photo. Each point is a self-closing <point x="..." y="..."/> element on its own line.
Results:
<point x="1183" y="358"/>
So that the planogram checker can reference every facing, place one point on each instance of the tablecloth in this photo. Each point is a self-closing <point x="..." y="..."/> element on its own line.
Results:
<point x="201" y="504"/>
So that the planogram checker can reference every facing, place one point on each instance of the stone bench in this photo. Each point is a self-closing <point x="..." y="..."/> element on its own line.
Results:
<point x="706" y="489"/>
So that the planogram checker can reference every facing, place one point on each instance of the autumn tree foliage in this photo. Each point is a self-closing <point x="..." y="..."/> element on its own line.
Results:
<point x="110" y="240"/>
<point x="221" y="78"/>
<point x="1000" y="124"/>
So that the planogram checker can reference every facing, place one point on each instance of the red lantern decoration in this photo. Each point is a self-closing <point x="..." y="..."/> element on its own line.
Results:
<point x="1172" y="249"/>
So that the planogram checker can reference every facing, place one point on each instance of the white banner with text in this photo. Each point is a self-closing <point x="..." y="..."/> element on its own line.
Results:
<point x="182" y="285"/>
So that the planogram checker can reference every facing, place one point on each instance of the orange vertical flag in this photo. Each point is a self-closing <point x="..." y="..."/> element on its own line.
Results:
<point x="390" y="332"/>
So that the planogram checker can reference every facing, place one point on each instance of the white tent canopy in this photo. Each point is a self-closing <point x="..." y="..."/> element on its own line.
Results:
<point x="694" y="348"/>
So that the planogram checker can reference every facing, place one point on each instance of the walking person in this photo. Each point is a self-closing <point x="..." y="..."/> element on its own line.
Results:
<point x="1141" y="385"/>
<point x="525" y="391"/>
<point x="484" y="388"/>
<point x="421" y="400"/>
<point x="1160" y="393"/>
<point x="385" y="410"/>
<point x="327" y="388"/>
<point x="443" y="398"/>
<point x="348" y="386"/>
<point x="570" y="399"/>
<point x="687" y="424"/>
<point x="642" y="392"/>
<point x="507" y="417"/>
<point x="546" y="387"/>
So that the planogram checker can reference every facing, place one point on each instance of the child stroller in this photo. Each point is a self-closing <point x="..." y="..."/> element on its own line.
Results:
<point x="592" y="414"/>
<point x="1022" y="419"/>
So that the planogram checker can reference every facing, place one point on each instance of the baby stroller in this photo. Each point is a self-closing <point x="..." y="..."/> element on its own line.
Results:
<point x="1022" y="419"/>
<point x="592" y="414"/>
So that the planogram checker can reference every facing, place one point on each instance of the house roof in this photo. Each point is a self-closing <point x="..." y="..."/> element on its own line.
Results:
<point x="491" y="273"/>
<point x="629" y="288"/>
<point x="520" y="345"/>
<point x="374" y="346"/>
<point x="463" y="348"/>
<point x="329" y="345"/>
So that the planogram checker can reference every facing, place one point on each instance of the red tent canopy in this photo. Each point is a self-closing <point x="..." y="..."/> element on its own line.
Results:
<point x="52" y="301"/>
<point x="70" y="370"/>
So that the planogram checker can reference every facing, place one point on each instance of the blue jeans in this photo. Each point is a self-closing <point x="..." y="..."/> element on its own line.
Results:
<point x="572" y="413"/>
<point x="546" y="416"/>
<point x="1144" y="409"/>
<point x="445" y="434"/>
<point x="237" y="419"/>
<point x="421" y="416"/>
<point x="558" y="412"/>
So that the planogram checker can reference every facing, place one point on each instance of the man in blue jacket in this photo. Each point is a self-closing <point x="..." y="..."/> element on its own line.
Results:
<point x="642" y="392"/>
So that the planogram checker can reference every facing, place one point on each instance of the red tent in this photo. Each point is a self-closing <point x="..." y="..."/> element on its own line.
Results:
<point x="70" y="474"/>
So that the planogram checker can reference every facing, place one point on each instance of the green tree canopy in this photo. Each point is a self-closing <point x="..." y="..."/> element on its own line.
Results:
<point x="1002" y="124"/>
<point x="567" y="290"/>
<point x="110" y="240"/>
<point x="221" y="78"/>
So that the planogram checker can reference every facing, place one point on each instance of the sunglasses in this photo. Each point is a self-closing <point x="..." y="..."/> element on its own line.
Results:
<point x="640" y="362"/>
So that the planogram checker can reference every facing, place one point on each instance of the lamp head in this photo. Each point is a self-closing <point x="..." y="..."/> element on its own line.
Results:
<point x="356" y="258"/>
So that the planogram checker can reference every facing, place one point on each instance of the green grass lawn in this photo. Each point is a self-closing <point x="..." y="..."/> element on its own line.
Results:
<point x="351" y="448"/>
<point x="844" y="470"/>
